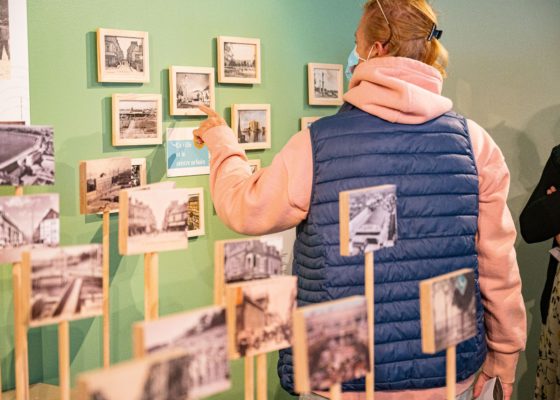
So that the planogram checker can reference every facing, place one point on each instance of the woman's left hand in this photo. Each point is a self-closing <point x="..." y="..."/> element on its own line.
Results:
<point x="214" y="120"/>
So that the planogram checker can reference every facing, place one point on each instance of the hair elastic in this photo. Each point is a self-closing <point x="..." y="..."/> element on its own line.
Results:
<point x="435" y="33"/>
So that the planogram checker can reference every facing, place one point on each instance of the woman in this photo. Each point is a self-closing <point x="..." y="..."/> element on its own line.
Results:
<point x="540" y="221"/>
<point x="395" y="128"/>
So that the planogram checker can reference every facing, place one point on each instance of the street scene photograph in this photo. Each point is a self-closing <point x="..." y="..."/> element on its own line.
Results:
<point x="193" y="90"/>
<point x="252" y="126"/>
<point x="138" y="119"/>
<point x="105" y="178"/>
<point x="252" y="259"/>
<point x="240" y="60"/>
<point x="124" y="55"/>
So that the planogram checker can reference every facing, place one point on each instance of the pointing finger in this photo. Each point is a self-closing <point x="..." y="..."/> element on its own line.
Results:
<point x="208" y="111"/>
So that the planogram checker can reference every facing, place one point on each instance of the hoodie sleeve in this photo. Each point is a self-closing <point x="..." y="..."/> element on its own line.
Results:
<point x="500" y="282"/>
<point x="273" y="199"/>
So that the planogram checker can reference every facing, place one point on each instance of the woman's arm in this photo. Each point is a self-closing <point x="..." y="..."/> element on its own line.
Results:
<point x="540" y="219"/>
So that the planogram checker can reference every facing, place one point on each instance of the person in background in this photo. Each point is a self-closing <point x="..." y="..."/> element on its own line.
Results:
<point x="540" y="221"/>
<point x="394" y="128"/>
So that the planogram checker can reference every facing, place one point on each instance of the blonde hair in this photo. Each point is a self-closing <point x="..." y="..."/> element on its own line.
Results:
<point x="411" y="22"/>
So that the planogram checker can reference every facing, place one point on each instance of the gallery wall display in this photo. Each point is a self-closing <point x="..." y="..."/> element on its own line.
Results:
<point x="122" y="56"/>
<point x="259" y="315"/>
<point x="157" y="376"/>
<point x="189" y="88"/>
<point x="153" y="220"/>
<point x="101" y="182"/>
<point x="448" y="310"/>
<point x="251" y="125"/>
<point x="368" y="219"/>
<point x="26" y="223"/>
<point x="239" y="60"/>
<point x="183" y="157"/>
<point x="330" y="343"/>
<point x="14" y="62"/>
<point x="65" y="283"/>
<point x="202" y="334"/>
<point x="325" y="84"/>
<point x="137" y="119"/>
<point x="255" y="165"/>
<point x="307" y="121"/>
<point x="26" y="155"/>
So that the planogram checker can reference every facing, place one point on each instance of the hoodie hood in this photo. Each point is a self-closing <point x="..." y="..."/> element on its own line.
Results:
<point x="399" y="90"/>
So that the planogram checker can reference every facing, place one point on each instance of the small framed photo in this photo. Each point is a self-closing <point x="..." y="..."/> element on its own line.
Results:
<point x="101" y="182"/>
<point x="139" y="172"/>
<point x="153" y="219"/>
<point x="190" y="87"/>
<point x="251" y="125"/>
<point x="325" y="84"/>
<point x="137" y="119"/>
<point x="330" y="343"/>
<point x="65" y="284"/>
<point x="195" y="212"/>
<point x="448" y="310"/>
<point x="26" y="155"/>
<point x="239" y="60"/>
<point x="202" y="334"/>
<point x="307" y="121"/>
<point x="122" y="56"/>
<point x="255" y="165"/>
<point x="259" y="315"/>
<point x="368" y="219"/>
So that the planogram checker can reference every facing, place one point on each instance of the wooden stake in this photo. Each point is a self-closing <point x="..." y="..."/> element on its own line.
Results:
<point x="336" y="392"/>
<point x="19" y="191"/>
<point x="106" y="308"/>
<point x="262" y="384"/>
<point x="64" y="360"/>
<point x="249" y="378"/>
<point x="451" y="372"/>
<point x="151" y="286"/>
<point x="370" y="298"/>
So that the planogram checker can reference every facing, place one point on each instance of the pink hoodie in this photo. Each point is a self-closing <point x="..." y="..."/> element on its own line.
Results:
<point x="278" y="197"/>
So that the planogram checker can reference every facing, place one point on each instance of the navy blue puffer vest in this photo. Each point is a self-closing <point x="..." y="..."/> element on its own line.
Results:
<point x="434" y="169"/>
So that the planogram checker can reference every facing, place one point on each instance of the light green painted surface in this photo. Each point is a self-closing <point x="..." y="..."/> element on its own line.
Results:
<point x="503" y="74"/>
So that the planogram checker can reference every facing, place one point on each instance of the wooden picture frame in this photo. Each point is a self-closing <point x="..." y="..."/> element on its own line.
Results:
<point x="152" y="219"/>
<point x="307" y="121"/>
<point x="137" y="119"/>
<point x="249" y="308"/>
<point x="255" y="165"/>
<point x="197" y="228"/>
<point x="322" y="91"/>
<point x="448" y="310"/>
<point x="101" y="182"/>
<point x="195" y="95"/>
<point x="240" y="74"/>
<point x="368" y="219"/>
<point x="117" y="64"/>
<point x="315" y="326"/>
<point x="72" y="275"/>
<point x="247" y="130"/>
<point x="202" y="334"/>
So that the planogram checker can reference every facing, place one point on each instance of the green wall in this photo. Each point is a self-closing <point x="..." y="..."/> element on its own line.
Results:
<point x="503" y="74"/>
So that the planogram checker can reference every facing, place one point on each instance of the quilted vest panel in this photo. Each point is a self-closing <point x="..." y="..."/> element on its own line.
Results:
<point x="434" y="169"/>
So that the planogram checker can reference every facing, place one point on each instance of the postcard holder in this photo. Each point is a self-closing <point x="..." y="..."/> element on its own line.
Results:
<point x="20" y="330"/>
<point x="106" y="304"/>
<point x="151" y="286"/>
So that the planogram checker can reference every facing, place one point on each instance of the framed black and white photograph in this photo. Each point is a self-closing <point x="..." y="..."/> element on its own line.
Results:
<point x="66" y="283"/>
<point x="239" y="60"/>
<point x="137" y="119"/>
<point x="139" y="172"/>
<point x="153" y="220"/>
<point x="26" y="155"/>
<point x="368" y="219"/>
<point x="307" y="121"/>
<point x="158" y="376"/>
<point x="330" y="343"/>
<point x="251" y="125"/>
<point x="448" y="310"/>
<point x="101" y="182"/>
<point x="202" y="334"/>
<point x="195" y="212"/>
<point x="260" y="315"/>
<point x="325" y="84"/>
<point x="27" y="223"/>
<point x="189" y="88"/>
<point x="122" y="56"/>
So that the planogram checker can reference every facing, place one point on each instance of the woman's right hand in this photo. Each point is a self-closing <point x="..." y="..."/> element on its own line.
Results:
<point x="549" y="191"/>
